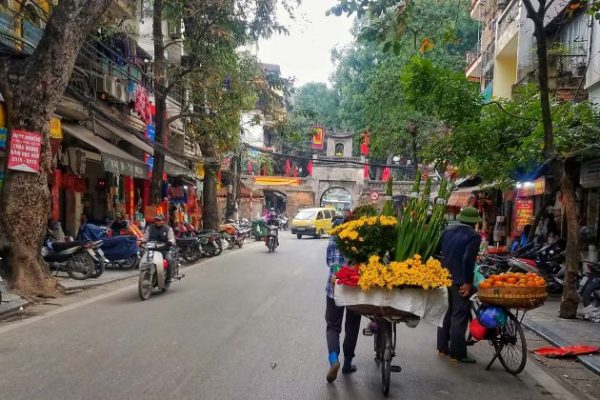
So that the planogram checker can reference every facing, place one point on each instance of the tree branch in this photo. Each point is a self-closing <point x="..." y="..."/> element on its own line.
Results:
<point x="511" y="114"/>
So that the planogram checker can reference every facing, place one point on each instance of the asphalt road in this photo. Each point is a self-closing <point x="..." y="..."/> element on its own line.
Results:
<point x="246" y="325"/>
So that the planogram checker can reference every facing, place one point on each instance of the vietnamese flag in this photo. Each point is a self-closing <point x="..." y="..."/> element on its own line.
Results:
<point x="366" y="171"/>
<point x="288" y="168"/>
<point x="385" y="175"/>
<point x="309" y="168"/>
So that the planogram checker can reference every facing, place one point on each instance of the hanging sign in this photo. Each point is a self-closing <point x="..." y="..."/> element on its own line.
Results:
<point x="56" y="128"/>
<point x="24" y="152"/>
<point x="318" y="137"/>
<point x="523" y="213"/>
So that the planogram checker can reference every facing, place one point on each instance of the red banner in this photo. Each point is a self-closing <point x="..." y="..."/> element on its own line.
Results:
<point x="523" y="213"/>
<point x="24" y="152"/>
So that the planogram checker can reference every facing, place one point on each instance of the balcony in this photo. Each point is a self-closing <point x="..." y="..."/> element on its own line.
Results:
<point x="508" y="26"/>
<point x="474" y="64"/>
<point x="477" y="7"/>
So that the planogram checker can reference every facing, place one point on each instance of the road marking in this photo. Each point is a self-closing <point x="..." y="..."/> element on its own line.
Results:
<point x="19" y="324"/>
<point x="260" y="311"/>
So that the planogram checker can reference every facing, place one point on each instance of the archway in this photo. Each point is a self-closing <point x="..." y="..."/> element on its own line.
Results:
<point x="276" y="200"/>
<point x="338" y="198"/>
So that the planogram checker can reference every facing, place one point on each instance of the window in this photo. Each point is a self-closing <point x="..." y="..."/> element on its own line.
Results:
<point x="320" y="215"/>
<point x="327" y="214"/>
<point x="339" y="149"/>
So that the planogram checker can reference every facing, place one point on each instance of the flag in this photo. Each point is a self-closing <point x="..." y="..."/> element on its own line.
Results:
<point x="366" y="171"/>
<point x="385" y="175"/>
<point x="249" y="167"/>
<point x="309" y="168"/>
<point x="295" y="171"/>
<point x="288" y="168"/>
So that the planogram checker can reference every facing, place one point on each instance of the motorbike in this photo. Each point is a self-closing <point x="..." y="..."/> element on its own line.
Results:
<point x="283" y="222"/>
<point x="121" y="252"/>
<point x="272" y="240"/>
<point x="589" y="285"/>
<point x="153" y="270"/>
<point x="210" y="242"/>
<point x="81" y="260"/>
<point x="190" y="249"/>
<point x="232" y="235"/>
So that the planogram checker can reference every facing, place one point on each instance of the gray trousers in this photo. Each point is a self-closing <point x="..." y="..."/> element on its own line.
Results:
<point x="451" y="336"/>
<point x="334" y="316"/>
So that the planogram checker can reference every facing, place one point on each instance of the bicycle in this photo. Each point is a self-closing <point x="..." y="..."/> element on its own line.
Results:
<point x="383" y="330"/>
<point x="509" y="342"/>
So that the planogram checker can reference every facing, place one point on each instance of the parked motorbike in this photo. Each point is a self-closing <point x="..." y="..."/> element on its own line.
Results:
<point x="272" y="238"/>
<point x="210" y="242"/>
<point x="121" y="252"/>
<point x="589" y="285"/>
<point x="190" y="249"/>
<point x="232" y="235"/>
<point x="81" y="260"/>
<point x="153" y="270"/>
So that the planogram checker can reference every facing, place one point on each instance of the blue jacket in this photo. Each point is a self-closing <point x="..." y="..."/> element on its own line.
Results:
<point x="459" y="246"/>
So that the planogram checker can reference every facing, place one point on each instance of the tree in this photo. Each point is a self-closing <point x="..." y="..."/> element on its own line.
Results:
<point x="32" y="88"/>
<point x="388" y="20"/>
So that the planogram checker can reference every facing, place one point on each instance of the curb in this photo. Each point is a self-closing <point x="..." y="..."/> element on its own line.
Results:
<point x="590" y="362"/>
<point x="10" y="309"/>
<point x="90" y="285"/>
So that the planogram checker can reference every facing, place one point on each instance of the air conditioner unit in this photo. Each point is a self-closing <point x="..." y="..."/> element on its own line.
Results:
<point x="120" y="92"/>
<point x="105" y="84"/>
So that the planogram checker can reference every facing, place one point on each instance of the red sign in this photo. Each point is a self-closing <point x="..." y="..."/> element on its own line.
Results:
<point x="24" y="152"/>
<point x="523" y="213"/>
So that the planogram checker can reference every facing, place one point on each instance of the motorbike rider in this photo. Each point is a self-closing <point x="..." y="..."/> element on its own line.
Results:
<point x="273" y="220"/>
<point x="158" y="231"/>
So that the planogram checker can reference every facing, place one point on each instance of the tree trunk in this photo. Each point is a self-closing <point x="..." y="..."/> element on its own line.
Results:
<point x="210" y="217"/>
<point x="569" y="302"/>
<point x="32" y="88"/>
<point x="234" y="187"/>
<point x="160" y="97"/>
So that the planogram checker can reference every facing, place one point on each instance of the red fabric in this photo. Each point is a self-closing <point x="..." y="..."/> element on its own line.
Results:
<point x="386" y="174"/>
<point x="309" y="168"/>
<point x="249" y="167"/>
<point x="288" y="168"/>
<point x="567" y="351"/>
<point x="295" y="171"/>
<point x="366" y="171"/>
<point x="365" y="146"/>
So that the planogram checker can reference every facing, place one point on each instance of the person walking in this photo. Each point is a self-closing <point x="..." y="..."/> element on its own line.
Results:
<point x="334" y="316"/>
<point x="459" y="246"/>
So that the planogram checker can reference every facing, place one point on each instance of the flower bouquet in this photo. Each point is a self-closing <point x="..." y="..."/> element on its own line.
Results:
<point x="389" y="258"/>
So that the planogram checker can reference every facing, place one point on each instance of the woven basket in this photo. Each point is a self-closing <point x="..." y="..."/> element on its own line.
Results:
<point x="514" y="297"/>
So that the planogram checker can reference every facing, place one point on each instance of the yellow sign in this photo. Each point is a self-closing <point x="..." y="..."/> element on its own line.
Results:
<point x="200" y="170"/>
<point x="2" y="115"/>
<point x="276" y="181"/>
<point x="56" y="128"/>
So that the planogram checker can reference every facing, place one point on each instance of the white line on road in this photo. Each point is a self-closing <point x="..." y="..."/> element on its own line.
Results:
<point x="260" y="311"/>
<point x="19" y="324"/>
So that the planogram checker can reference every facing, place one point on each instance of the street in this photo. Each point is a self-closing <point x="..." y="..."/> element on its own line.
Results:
<point x="246" y="325"/>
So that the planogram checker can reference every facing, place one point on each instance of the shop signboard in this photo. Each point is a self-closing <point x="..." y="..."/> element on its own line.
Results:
<point x="590" y="173"/>
<point x="24" y="152"/>
<point x="523" y="213"/>
<point x="535" y="188"/>
<point x="119" y="167"/>
<point x="318" y="137"/>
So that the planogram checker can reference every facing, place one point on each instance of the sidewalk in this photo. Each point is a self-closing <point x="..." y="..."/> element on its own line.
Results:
<point x="545" y="322"/>
<point x="109" y="276"/>
<point x="10" y="302"/>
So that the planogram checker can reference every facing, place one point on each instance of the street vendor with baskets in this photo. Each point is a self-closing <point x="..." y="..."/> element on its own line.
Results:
<point x="459" y="246"/>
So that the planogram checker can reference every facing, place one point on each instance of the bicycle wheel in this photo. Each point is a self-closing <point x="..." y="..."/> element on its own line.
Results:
<point x="511" y="346"/>
<point x="387" y="354"/>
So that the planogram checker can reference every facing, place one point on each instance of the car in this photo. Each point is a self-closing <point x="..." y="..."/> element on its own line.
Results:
<point x="313" y="222"/>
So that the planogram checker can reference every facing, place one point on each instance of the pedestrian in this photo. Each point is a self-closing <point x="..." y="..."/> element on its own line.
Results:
<point x="334" y="316"/>
<point x="459" y="246"/>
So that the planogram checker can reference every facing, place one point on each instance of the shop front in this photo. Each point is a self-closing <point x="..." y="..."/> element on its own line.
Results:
<point x="590" y="204"/>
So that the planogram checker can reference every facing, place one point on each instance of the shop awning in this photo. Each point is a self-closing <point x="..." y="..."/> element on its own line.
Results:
<point x="114" y="159"/>
<point x="460" y="197"/>
<point x="172" y="166"/>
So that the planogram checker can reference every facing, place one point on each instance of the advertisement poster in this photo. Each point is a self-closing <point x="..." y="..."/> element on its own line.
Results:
<point x="523" y="213"/>
<point x="24" y="152"/>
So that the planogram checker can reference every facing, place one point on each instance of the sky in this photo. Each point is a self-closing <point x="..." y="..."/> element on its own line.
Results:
<point x="306" y="52"/>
